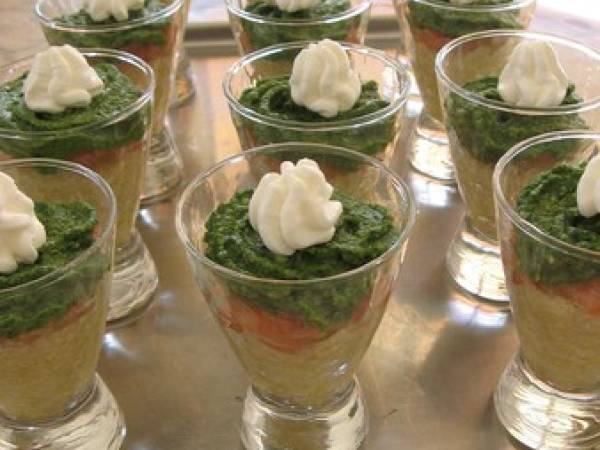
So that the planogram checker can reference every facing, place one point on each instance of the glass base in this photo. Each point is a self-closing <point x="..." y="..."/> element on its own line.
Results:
<point x="475" y="264"/>
<point x="183" y="88"/>
<point x="97" y="423"/>
<point x="163" y="170"/>
<point x="134" y="281"/>
<point x="266" y="425"/>
<point x="429" y="153"/>
<point x="542" y="417"/>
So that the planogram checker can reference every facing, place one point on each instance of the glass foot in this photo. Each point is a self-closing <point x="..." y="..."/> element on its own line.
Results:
<point x="163" y="170"/>
<point x="266" y="425"/>
<point x="542" y="417"/>
<point x="429" y="153"/>
<point x="134" y="281"/>
<point x="183" y="88"/>
<point x="475" y="264"/>
<point x="96" y="424"/>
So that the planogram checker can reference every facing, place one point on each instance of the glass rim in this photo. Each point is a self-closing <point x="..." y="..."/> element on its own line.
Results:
<point x="99" y="182"/>
<point x="513" y="4"/>
<point x="133" y="107"/>
<point x="444" y="79"/>
<point x="398" y="183"/>
<point x="363" y="6"/>
<point x="295" y="125"/>
<point x="49" y="22"/>
<point x="525" y="226"/>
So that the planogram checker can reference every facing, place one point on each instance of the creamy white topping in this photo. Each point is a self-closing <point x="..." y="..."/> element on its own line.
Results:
<point x="59" y="78"/>
<point x="533" y="76"/>
<point x="100" y="10"/>
<point x="322" y="79"/>
<point x="293" y="5"/>
<point x="21" y="233"/>
<point x="588" y="189"/>
<point x="293" y="210"/>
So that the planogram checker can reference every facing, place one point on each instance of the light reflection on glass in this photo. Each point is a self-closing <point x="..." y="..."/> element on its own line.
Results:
<point x="112" y="345"/>
<point x="146" y="217"/>
<point x="431" y="193"/>
<point x="465" y="311"/>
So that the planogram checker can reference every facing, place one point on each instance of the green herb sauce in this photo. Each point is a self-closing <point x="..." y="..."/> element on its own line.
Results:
<point x="119" y="92"/>
<point x="487" y="133"/>
<point x="69" y="232"/>
<point x="363" y="232"/>
<point x="550" y="203"/>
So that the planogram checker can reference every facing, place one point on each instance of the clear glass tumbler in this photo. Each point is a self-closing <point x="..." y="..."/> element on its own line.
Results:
<point x="183" y="86"/>
<point x="304" y="394"/>
<point x="116" y="148"/>
<point x="154" y="38"/>
<point x="50" y="395"/>
<point x="482" y="128"/>
<point x="549" y="395"/>
<point x="253" y="31"/>
<point x="427" y="26"/>
<point x="376" y="134"/>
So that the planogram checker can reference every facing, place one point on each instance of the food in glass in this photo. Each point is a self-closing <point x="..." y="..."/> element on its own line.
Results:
<point x="264" y="111"/>
<point x="489" y="106"/>
<point x="111" y="135"/>
<point x="152" y="33"/>
<point x="427" y="26"/>
<point x="56" y="249"/>
<point x="183" y="85"/>
<point x="300" y="316"/>
<point x="548" y="202"/>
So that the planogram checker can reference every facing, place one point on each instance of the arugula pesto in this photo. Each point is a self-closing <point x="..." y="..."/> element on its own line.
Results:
<point x="272" y="97"/>
<point x="550" y="203"/>
<point x="119" y="92"/>
<point x="487" y="133"/>
<point x="69" y="232"/>
<point x="364" y="232"/>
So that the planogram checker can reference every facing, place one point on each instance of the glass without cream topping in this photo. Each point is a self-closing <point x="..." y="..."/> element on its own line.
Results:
<point x="533" y="77"/>
<point x="293" y="210"/>
<point x="588" y="189"/>
<point x="322" y="79"/>
<point x="100" y="10"/>
<point x="59" y="78"/>
<point x="21" y="233"/>
<point x="293" y="5"/>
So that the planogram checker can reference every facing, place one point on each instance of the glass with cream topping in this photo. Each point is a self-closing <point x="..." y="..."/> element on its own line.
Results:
<point x="499" y="88"/>
<point x="56" y="250"/>
<point x="297" y="268"/>
<point x="151" y="30"/>
<point x="547" y="191"/>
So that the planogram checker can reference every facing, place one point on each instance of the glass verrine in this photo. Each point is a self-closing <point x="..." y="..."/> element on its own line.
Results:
<point x="303" y="394"/>
<point x="376" y="134"/>
<point x="549" y="395"/>
<point x="347" y="21"/>
<point x="153" y="37"/>
<point x="114" y="145"/>
<point x="427" y="26"/>
<point x="183" y="86"/>
<point x="51" y="327"/>
<point x="481" y="128"/>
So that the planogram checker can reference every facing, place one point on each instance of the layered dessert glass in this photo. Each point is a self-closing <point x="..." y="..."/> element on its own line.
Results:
<point x="428" y="25"/>
<point x="300" y="340"/>
<point x="52" y="322"/>
<point x="482" y="127"/>
<point x="183" y="86"/>
<point x="549" y="395"/>
<point x="153" y="35"/>
<point x="259" y="24"/>
<point x="375" y="133"/>
<point x="115" y="144"/>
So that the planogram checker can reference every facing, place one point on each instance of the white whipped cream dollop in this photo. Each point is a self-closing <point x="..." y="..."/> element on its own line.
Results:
<point x="588" y="189"/>
<point x="21" y="233"/>
<point x="533" y="77"/>
<point x="322" y="79"/>
<point x="293" y="5"/>
<point x="59" y="78"/>
<point x="100" y="10"/>
<point x="293" y="210"/>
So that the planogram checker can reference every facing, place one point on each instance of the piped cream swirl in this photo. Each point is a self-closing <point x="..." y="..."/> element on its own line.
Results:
<point x="588" y="189"/>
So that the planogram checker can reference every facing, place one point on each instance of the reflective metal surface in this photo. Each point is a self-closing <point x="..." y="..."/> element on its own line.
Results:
<point x="428" y="377"/>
